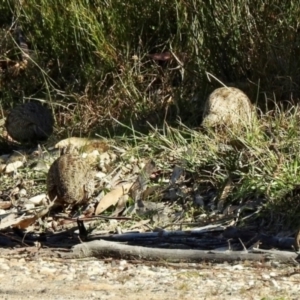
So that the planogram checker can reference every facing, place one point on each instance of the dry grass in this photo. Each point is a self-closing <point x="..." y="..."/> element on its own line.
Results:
<point x="136" y="66"/>
<point x="93" y="64"/>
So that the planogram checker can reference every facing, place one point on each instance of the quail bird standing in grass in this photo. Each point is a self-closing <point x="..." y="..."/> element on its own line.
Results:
<point x="227" y="106"/>
<point x="70" y="179"/>
<point x="29" y="123"/>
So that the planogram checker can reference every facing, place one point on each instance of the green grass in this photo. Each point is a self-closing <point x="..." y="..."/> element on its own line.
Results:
<point x="89" y="60"/>
<point x="256" y="165"/>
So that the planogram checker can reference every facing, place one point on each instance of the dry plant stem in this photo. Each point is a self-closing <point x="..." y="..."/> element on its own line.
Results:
<point x="92" y="218"/>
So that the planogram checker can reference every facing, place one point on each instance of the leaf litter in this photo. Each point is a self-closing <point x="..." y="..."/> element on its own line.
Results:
<point x="138" y="196"/>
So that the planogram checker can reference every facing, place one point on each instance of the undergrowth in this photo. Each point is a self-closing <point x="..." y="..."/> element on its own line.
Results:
<point x="144" y="61"/>
<point x="260" y="163"/>
<point x="146" y="64"/>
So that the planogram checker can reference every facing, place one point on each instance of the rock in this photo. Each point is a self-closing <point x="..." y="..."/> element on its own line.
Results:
<point x="38" y="199"/>
<point x="29" y="123"/>
<point x="12" y="167"/>
<point x="227" y="106"/>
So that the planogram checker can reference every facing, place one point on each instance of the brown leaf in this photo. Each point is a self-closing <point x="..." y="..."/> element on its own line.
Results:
<point x="112" y="197"/>
<point x="121" y="205"/>
<point x="5" y="204"/>
<point x="22" y="224"/>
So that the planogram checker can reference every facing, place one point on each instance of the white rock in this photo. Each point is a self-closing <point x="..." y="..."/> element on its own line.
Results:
<point x="38" y="199"/>
<point x="227" y="106"/>
<point x="4" y="267"/>
<point x="11" y="167"/>
<point x="113" y="156"/>
<point x="123" y="262"/>
<point x="265" y="277"/>
<point x="275" y="284"/>
<point x="132" y="159"/>
<point x="100" y="175"/>
<point x="238" y="267"/>
<point x="251" y="283"/>
<point x="47" y="270"/>
<point x="23" y="192"/>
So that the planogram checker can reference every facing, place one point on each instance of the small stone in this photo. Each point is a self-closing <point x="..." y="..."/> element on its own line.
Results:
<point x="12" y="167"/>
<point x="23" y="192"/>
<point x="38" y="199"/>
<point x="5" y="267"/>
<point x="104" y="157"/>
<point x="47" y="270"/>
<point x="265" y="277"/>
<point x="100" y="175"/>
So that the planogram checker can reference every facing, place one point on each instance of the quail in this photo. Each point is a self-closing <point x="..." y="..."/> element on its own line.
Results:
<point x="29" y="122"/>
<point x="70" y="180"/>
<point x="227" y="106"/>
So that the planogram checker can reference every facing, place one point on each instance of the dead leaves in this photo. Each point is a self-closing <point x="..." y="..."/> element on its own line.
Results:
<point x="11" y="163"/>
<point x="118" y="194"/>
<point x="113" y="197"/>
<point x="13" y="220"/>
<point x="130" y="185"/>
<point x="25" y="222"/>
<point x="26" y="219"/>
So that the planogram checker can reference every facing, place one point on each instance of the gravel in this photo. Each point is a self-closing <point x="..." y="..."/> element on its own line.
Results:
<point x="44" y="278"/>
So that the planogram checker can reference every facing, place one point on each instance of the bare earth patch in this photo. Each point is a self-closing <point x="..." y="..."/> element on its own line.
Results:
<point x="47" y="278"/>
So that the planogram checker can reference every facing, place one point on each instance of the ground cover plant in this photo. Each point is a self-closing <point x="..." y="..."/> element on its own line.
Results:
<point x="139" y="72"/>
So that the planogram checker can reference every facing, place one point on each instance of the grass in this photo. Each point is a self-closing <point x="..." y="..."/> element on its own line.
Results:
<point x="260" y="163"/>
<point x="91" y="60"/>
<point x="93" y="63"/>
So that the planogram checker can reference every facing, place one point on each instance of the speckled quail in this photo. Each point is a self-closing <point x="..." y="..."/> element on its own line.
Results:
<point x="29" y="122"/>
<point x="70" y="180"/>
<point x="227" y="106"/>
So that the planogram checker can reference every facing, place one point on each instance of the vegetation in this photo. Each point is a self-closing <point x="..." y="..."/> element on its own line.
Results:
<point x="95" y="55"/>
<point x="98" y="61"/>
<point x="258" y="170"/>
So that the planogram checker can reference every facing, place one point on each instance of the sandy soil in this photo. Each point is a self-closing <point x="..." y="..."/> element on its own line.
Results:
<point x="24" y="277"/>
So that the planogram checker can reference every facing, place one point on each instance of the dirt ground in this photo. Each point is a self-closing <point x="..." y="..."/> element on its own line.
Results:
<point x="40" y="277"/>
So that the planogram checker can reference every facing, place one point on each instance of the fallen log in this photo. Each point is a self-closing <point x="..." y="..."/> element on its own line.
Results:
<point x="105" y="249"/>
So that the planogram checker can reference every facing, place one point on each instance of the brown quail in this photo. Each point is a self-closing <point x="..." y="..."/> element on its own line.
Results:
<point x="227" y="106"/>
<point x="70" y="180"/>
<point x="29" y="122"/>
